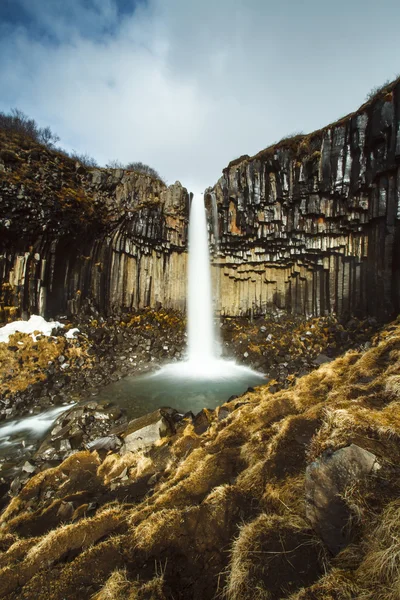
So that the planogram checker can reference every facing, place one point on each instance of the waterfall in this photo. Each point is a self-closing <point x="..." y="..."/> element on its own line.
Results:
<point x="203" y="362"/>
<point x="201" y="335"/>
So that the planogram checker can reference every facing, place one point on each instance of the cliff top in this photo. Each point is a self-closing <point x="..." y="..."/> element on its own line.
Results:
<point x="303" y="144"/>
<point x="43" y="189"/>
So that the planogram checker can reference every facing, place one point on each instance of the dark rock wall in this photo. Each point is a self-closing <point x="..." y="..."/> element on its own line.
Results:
<point x="310" y="225"/>
<point x="72" y="237"/>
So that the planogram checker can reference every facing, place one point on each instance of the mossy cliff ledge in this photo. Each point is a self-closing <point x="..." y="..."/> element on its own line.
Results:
<point x="72" y="236"/>
<point x="311" y="223"/>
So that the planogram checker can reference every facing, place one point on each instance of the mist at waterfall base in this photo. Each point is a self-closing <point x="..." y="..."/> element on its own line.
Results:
<point x="204" y="379"/>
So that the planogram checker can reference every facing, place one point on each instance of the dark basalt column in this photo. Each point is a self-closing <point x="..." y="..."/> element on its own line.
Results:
<point x="310" y="225"/>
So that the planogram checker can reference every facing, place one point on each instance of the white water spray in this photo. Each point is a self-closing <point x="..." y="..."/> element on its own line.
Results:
<point x="201" y="342"/>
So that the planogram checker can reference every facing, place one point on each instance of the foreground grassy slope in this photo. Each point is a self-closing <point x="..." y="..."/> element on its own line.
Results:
<point x="223" y="513"/>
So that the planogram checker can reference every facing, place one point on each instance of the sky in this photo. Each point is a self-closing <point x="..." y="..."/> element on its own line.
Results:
<point x="188" y="85"/>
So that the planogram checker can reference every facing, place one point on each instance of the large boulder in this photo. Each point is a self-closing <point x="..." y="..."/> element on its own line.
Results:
<point x="327" y="480"/>
<point x="147" y="430"/>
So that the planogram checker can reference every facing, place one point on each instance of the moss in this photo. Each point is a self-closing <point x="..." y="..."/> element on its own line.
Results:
<point x="24" y="361"/>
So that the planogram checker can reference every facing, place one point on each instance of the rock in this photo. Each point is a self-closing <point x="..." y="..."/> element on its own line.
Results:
<point x="222" y="412"/>
<point x="321" y="359"/>
<point x="28" y="467"/>
<point x="110" y="442"/>
<point x="326" y="481"/>
<point x="202" y="421"/>
<point x="145" y="431"/>
<point x="15" y="486"/>
<point x="65" y="511"/>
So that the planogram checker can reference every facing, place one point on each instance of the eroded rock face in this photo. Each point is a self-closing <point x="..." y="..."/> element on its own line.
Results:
<point x="327" y="480"/>
<point x="310" y="225"/>
<point x="72" y="236"/>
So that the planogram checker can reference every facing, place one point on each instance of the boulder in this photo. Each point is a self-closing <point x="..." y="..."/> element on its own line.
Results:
<point x="321" y="359"/>
<point x="327" y="479"/>
<point x="145" y="431"/>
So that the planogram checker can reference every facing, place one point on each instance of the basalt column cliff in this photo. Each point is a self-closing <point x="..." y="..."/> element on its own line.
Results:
<point x="310" y="224"/>
<point x="72" y="236"/>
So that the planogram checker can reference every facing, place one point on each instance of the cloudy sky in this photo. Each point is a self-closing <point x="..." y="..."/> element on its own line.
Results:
<point x="187" y="85"/>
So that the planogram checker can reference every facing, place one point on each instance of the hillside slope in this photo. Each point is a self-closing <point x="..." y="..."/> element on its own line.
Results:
<point x="292" y="495"/>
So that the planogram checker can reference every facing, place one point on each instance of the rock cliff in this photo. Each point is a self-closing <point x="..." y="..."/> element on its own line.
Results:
<point x="72" y="236"/>
<point x="310" y="224"/>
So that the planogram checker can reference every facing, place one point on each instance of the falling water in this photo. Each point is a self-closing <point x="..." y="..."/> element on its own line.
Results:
<point x="201" y="341"/>
<point x="203" y="360"/>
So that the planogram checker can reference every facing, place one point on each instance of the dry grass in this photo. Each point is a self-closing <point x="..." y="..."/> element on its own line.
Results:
<point x="24" y="361"/>
<point x="227" y="509"/>
<point x="379" y="573"/>
<point x="271" y="555"/>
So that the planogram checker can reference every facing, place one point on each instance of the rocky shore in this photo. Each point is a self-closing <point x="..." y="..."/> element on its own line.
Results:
<point x="37" y="375"/>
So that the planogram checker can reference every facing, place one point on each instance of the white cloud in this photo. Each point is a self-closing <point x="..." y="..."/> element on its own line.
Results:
<point x="188" y="86"/>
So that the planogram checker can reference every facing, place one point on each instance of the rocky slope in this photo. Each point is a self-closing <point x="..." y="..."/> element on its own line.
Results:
<point x="310" y="224"/>
<point x="72" y="237"/>
<point x="290" y="495"/>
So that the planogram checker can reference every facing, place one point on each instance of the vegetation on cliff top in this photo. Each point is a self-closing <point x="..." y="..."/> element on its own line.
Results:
<point x="223" y="513"/>
<point x="17" y="122"/>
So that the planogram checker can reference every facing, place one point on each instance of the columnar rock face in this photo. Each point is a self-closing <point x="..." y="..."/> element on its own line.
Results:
<point x="310" y="225"/>
<point x="72" y="236"/>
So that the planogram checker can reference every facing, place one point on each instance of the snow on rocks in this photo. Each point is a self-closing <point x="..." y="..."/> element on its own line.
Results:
<point x="35" y="323"/>
<point x="71" y="333"/>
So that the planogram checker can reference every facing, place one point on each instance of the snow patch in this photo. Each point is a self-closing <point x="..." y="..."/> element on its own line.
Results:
<point x="35" y="323"/>
<point x="71" y="333"/>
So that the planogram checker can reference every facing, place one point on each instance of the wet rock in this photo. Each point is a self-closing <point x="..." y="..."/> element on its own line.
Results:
<point x="326" y="482"/>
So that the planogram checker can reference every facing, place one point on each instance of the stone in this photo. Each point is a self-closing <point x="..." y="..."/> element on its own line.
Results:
<point x="326" y="481"/>
<point x="145" y="431"/>
<point x="110" y="442"/>
<point x="28" y="467"/>
<point x="322" y="359"/>
<point x="202" y="421"/>
<point x="65" y="510"/>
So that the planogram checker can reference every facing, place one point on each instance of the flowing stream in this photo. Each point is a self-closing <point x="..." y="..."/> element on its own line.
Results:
<point x="203" y="380"/>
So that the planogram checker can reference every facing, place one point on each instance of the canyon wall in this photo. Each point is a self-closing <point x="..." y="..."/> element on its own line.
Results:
<point x="73" y="237"/>
<point x="310" y="225"/>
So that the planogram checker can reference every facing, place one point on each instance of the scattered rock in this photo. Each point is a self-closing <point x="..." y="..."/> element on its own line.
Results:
<point x="326" y="482"/>
<point x="145" y="431"/>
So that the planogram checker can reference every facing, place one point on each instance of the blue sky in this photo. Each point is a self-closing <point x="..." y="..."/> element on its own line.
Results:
<point x="188" y="85"/>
